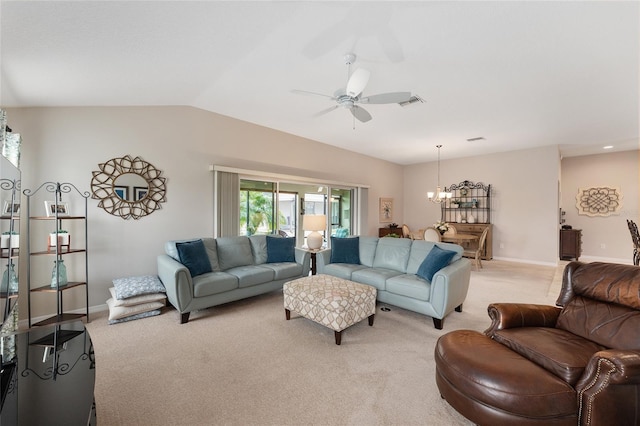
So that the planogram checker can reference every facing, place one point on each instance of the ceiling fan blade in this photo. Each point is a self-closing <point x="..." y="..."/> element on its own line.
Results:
<point x="360" y="113"/>
<point x="305" y="92"/>
<point x="325" y="111"/>
<point x="357" y="82"/>
<point x="387" y="98"/>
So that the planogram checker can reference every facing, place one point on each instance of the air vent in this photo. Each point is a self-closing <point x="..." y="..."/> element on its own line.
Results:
<point x="476" y="139"/>
<point x="412" y="100"/>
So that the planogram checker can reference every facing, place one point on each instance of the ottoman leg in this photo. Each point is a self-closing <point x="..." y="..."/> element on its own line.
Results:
<point x="338" y="335"/>
<point x="371" y="319"/>
<point x="287" y="314"/>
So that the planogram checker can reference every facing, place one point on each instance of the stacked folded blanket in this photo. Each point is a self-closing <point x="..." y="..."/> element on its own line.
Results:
<point x="135" y="297"/>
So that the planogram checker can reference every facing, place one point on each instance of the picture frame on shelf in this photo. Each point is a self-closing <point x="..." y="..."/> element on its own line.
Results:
<point x="52" y="208"/>
<point x="386" y="210"/>
<point x="122" y="192"/>
<point x="139" y="192"/>
<point x="10" y="208"/>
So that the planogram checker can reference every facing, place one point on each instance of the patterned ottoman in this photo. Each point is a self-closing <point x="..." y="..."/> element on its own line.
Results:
<point x="330" y="301"/>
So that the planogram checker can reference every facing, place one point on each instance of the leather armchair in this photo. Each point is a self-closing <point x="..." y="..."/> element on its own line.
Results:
<point x="577" y="363"/>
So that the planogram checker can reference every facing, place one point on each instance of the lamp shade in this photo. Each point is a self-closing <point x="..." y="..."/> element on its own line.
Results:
<point x="314" y="222"/>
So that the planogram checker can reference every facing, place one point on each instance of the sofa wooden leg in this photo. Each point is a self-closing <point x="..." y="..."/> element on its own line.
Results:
<point x="338" y="335"/>
<point x="371" y="317"/>
<point x="459" y="308"/>
<point x="287" y="314"/>
<point x="184" y="318"/>
<point x="437" y="323"/>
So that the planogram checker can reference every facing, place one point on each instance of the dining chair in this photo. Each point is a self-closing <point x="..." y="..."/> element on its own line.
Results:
<point x="452" y="230"/>
<point x="406" y="232"/>
<point x="635" y="237"/>
<point x="432" y="234"/>
<point x="476" y="254"/>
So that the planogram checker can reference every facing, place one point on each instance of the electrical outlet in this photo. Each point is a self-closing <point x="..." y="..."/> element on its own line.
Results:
<point x="603" y="246"/>
<point x="501" y="245"/>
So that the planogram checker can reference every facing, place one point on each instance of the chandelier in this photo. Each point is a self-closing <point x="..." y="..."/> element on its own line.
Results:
<point x="439" y="196"/>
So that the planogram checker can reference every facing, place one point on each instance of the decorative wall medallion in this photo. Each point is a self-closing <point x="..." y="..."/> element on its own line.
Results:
<point x="111" y="185"/>
<point x="599" y="201"/>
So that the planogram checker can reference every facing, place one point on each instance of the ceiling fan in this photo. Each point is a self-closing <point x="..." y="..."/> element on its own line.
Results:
<point x="351" y="97"/>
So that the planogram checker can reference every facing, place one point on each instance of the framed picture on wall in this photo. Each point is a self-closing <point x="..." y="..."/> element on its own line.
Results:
<point x="139" y="192"/>
<point x="11" y="209"/>
<point x="53" y="208"/>
<point x="386" y="210"/>
<point x="122" y="192"/>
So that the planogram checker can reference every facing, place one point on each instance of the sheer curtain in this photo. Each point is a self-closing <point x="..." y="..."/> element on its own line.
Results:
<point x="227" y="201"/>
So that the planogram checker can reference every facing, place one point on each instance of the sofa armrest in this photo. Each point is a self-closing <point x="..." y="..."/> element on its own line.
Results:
<point x="323" y="258"/>
<point x="610" y="381"/>
<point x="303" y="257"/>
<point x="177" y="281"/>
<point x="512" y="315"/>
<point x="449" y="287"/>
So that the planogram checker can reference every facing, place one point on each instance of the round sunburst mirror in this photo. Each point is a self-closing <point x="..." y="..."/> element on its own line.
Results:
<point x="128" y="187"/>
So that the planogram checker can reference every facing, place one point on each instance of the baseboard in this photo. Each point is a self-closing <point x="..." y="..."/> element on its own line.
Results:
<point x="527" y="261"/>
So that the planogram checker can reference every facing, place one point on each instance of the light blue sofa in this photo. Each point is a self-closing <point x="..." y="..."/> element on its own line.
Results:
<point x="391" y="264"/>
<point x="239" y="269"/>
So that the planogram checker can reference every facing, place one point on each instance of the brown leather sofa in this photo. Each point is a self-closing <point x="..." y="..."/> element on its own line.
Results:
<point x="574" y="364"/>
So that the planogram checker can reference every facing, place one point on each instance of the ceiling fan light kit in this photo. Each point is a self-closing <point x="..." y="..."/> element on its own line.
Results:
<point x="351" y="96"/>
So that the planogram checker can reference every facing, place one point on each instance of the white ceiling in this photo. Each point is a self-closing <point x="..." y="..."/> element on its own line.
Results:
<point x="520" y="74"/>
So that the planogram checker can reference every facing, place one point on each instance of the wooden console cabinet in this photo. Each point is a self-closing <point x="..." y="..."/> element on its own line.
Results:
<point x="570" y="244"/>
<point x="476" y="229"/>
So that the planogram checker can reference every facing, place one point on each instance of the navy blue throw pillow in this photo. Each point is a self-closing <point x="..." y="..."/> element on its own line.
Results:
<point x="345" y="250"/>
<point x="193" y="255"/>
<point x="435" y="260"/>
<point x="281" y="249"/>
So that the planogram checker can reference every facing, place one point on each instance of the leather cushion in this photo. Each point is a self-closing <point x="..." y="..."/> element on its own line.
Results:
<point x="233" y="252"/>
<point x="608" y="282"/>
<point x="557" y="351"/>
<point x="392" y="253"/>
<point x="611" y="325"/>
<point x="488" y="372"/>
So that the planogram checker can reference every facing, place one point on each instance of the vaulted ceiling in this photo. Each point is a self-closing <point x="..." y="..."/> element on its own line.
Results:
<point x="518" y="74"/>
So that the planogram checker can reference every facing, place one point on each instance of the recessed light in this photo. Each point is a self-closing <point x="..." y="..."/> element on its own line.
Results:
<point x="478" y="138"/>
<point x="607" y="147"/>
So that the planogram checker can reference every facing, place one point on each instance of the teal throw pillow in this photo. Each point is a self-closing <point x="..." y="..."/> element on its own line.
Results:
<point x="342" y="233"/>
<point x="345" y="250"/>
<point x="280" y="249"/>
<point x="193" y="255"/>
<point x="435" y="260"/>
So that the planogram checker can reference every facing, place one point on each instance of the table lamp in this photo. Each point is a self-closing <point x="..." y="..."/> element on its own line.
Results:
<point x="314" y="223"/>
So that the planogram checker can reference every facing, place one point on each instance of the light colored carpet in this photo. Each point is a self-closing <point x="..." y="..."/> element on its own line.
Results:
<point x="244" y="364"/>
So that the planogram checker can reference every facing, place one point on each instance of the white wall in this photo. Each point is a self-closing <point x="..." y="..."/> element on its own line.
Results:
<point x="524" y="205"/>
<point x="616" y="169"/>
<point x="67" y="144"/>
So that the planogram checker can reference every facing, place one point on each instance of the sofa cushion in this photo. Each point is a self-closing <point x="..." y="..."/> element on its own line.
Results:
<point x="212" y="252"/>
<point x="410" y="285"/>
<point x="368" y="247"/>
<point x="213" y="283"/>
<point x="392" y="253"/>
<point x="420" y="250"/>
<point x="234" y="252"/>
<point x="259" y="248"/>
<point x="250" y="275"/>
<point x="345" y="250"/>
<point x="193" y="255"/>
<point x="435" y="260"/>
<point x="284" y="270"/>
<point x="280" y="249"/>
<point x="611" y="325"/>
<point x="557" y="351"/>
<point x="342" y="270"/>
<point x="375" y="277"/>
